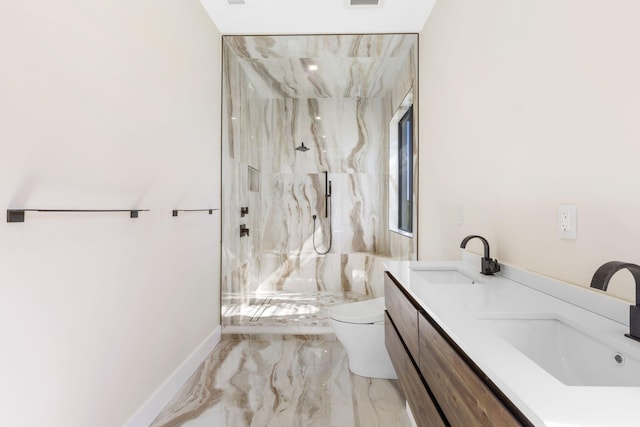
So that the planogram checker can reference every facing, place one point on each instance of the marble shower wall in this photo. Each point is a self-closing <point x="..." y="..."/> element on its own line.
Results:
<point x="243" y="128"/>
<point x="347" y="136"/>
<point x="346" y="141"/>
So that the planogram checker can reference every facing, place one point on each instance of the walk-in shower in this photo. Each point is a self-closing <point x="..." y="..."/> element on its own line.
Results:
<point x="318" y="213"/>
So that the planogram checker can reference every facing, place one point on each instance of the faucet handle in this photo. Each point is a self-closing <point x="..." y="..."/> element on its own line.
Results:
<point x="489" y="266"/>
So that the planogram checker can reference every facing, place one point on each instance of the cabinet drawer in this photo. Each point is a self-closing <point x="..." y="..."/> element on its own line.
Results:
<point x="463" y="397"/>
<point x="423" y="409"/>
<point x="403" y="313"/>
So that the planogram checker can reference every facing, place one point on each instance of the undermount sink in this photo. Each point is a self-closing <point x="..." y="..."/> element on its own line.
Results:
<point x="572" y="355"/>
<point x="443" y="276"/>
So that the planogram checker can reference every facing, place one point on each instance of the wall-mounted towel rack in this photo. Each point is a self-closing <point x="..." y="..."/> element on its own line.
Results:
<point x="175" y="211"/>
<point x="17" y="215"/>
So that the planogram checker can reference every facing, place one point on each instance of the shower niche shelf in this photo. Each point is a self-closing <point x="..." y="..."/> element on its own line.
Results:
<point x="253" y="176"/>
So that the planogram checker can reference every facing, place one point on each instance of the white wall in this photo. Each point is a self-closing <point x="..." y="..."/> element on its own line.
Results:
<point x="524" y="106"/>
<point x="105" y="105"/>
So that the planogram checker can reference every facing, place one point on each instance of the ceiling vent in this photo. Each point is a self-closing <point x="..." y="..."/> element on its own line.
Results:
<point x="363" y="2"/>
<point x="235" y="2"/>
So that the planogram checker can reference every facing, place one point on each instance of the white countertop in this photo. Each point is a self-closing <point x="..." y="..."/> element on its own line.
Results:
<point x="543" y="399"/>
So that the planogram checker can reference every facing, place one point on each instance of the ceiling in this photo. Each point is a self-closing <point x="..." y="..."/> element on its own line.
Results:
<point x="318" y="16"/>
<point x="324" y="66"/>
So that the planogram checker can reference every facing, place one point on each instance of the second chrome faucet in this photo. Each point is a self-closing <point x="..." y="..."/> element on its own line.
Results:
<point x="488" y="266"/>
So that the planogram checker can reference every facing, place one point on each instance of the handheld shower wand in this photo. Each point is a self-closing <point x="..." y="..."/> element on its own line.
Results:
<point x="327" y="193"/>
<point x="327" y="202"/>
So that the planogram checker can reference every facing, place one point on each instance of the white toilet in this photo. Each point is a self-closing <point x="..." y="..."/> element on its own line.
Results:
<point x="359" y="326"/>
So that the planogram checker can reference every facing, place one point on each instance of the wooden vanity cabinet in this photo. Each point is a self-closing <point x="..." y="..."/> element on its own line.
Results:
<point x="404" y="312"/>
<point x="464" y="398"/>
<point x="436" y="376"/>
<point x="424" y="410"/>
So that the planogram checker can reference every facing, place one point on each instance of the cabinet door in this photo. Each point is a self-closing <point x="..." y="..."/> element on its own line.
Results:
<point x="463" y="397"/>
<point x="422" y="406"/>
<point x="403" y="313"/>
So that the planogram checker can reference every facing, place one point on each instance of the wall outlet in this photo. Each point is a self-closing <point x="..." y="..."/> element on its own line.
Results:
<point x="567" y="222"/>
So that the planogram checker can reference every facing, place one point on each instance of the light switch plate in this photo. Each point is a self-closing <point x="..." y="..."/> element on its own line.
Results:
<point x="567" y="222"/>
<point x="459" y="215"/>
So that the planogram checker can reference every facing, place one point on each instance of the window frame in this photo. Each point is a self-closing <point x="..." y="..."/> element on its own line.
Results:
<point x="393" y="199"/>
<point x="405" y="172"/>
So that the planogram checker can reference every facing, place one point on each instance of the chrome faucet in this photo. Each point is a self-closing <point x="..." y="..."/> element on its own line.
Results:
<point x="601" y="279"/>
<point x="488" y="265"/>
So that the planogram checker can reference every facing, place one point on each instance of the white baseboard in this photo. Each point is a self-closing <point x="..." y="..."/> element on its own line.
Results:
<point x="411" y="419"/>
<point x="163" y="395"/>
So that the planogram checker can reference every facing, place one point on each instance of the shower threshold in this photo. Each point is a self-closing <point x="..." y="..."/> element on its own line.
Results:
<point x="282" y="313"/>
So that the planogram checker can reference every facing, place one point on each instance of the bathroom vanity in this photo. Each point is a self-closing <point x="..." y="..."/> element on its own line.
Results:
<point x="440" y="382"/>
<point x="514" y="349"/>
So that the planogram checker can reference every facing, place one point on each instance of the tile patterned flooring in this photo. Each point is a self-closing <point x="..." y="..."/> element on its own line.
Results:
<point x="279" y="365"/>
<point x="284" y="381"/>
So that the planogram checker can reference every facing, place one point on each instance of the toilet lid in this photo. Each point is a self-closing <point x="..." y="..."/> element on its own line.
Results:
<point x="369" y="311"/>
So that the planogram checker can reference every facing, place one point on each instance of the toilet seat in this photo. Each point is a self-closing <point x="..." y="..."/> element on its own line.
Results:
<point x="362" y="312"/>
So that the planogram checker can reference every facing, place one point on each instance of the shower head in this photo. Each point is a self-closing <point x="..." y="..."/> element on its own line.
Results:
<point x="302" y="147"/>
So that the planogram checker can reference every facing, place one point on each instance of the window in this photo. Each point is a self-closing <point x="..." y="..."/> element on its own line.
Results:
<point x="405" y="172"/>
<point x="402" y="143"/>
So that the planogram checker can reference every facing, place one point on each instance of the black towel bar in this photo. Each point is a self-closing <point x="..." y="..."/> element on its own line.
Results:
<point x="17" y="215"/>
<point x="175" y="211"/>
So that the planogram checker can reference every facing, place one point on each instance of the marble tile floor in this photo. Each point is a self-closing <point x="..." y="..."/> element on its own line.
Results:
<point x="285" y="382"/>
<point x="282" y="313"/>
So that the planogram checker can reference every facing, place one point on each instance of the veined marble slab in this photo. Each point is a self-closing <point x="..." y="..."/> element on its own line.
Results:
<point x="286" y="382"/>
<point x="282" y="312"/>
<point x="347" y="65"/>
<point x="330" y="46"/>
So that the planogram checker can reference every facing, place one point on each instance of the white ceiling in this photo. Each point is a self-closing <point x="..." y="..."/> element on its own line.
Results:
<point x="318" y="16"/>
